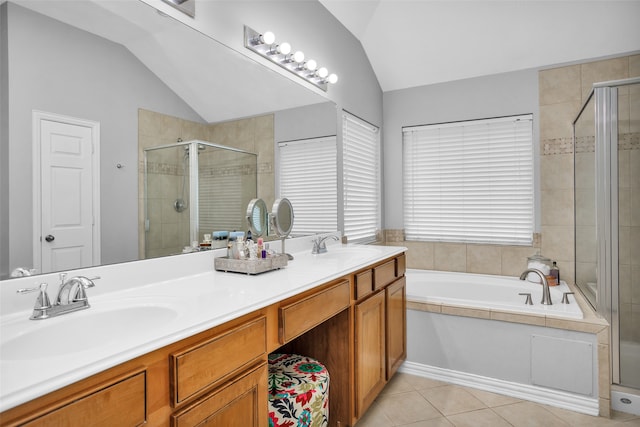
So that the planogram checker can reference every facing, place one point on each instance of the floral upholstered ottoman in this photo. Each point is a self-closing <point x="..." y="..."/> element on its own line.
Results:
<point x="298" y="391"/>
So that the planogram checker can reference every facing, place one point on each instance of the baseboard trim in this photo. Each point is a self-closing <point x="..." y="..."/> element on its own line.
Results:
<point x="546" y="396"/>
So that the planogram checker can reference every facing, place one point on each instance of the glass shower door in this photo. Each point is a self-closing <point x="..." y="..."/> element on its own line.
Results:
<point x="167" y="201"/>
<point x="628" y="112"/>
<point x="607" y="217"/>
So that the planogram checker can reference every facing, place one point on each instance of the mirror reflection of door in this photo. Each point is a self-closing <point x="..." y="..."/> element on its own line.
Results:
<point x="66" y="234"/>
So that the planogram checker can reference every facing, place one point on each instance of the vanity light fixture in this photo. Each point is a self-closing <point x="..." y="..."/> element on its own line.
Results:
<point x="264" y="44"/>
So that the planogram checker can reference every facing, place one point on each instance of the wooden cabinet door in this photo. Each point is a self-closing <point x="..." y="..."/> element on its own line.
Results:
<point x="396" y="326"/>
<point x="242" y="402"/>
<point x="369" y="351"/>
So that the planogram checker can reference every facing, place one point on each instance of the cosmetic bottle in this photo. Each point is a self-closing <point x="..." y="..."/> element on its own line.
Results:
<point x="555" y="272"/>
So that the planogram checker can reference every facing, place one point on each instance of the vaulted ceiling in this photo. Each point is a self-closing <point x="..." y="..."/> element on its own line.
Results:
<point x="421" y="42"/>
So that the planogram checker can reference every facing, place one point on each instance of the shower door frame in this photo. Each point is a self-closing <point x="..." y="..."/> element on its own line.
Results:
<point x="607" y="208"/>
<point x="607" y="237"/>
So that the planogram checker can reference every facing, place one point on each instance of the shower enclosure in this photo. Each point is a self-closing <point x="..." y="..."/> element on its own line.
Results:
<point x="194" y="188"/>
<point x="607" y="218"/>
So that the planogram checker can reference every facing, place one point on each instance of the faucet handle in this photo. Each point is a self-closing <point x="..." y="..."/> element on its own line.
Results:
<point x="83" y="283"/>
<point x="42" y="302"/>
<point x="565" y="297"/>
<point x="528" y="299"/>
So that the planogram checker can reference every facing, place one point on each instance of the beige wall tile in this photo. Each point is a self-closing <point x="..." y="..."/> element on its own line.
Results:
<point x="634" y="66"/>
<point x="585" y="207"/>
<point x="556" y="172"/>
<point x="466" y="312"/>
<point x="450" y="257"/>
<point x="485" y="259"/>
<point x="635" y="284"/>
<point x="556" y="120"/>
<point x="423" y="306"/>
<point x="586" y="244"/>
<point x="634" y="109"/>
<point x="518" y="318"/>
<point x="557" y="242"/>
<point x="573" y="325"/>
<point x="559" y="85"/>
<point x="585" y="170"/>
<point x="602" y="71"/>
<point x="420" y="255"/>
<point x="604" y="406"/>
<point x="514" y="259"/>
<point x="557" y="207"/>
<point x="604" y="376"/>
<point x="634" y="168"/>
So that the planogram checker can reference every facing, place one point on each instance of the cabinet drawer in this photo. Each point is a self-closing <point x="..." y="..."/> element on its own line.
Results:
<point x="122" y="403"/>
<point x="199" y="367"/>
<point x="384" y="274"/>
<point x="301" y="316"/>
<point x="364" y="284"/>
<point x="241" y="402"/>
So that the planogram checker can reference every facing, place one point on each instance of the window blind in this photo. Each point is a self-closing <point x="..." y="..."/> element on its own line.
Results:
<point x="470" y="181"/>
<point x="308" y="178"/>
<point x="361" y="179"/>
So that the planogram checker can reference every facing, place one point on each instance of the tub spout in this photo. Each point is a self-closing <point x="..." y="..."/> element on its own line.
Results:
<point x="546" y="295"/>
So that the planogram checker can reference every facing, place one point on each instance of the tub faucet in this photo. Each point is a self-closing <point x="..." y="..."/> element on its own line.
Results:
<point x="319" y="244"/>
<point x="546" y="295"/>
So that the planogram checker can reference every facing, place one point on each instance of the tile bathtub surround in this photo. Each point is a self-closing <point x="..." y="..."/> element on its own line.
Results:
<point x="467" y="258"/>
<point x="410" y="400"/>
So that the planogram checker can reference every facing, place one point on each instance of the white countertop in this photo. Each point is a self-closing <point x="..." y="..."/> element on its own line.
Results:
<point x="77" y="345"/>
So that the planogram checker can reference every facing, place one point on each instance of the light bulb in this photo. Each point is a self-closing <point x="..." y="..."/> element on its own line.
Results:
<point x="298" y="56"/>
<point x="268" y="37"/>
<point x="310" y="65"/>
<point x="284" y="48"/>
<point x="333" y="78"/>
<point x="322" y="72"/>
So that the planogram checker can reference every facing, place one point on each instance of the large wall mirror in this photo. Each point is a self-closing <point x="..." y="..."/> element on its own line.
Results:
<point x="145" y="80"/>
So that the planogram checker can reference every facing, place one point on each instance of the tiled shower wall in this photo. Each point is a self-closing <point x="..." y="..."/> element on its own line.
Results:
<point x="561" y="94"/>
<point x="255" y="134"/>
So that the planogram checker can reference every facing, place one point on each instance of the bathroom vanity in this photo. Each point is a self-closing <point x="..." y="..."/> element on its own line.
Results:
<point x="345" y="308"/>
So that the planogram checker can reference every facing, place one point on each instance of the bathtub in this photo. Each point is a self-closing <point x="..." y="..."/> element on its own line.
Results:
<point x="487" y="292"/>
<point x="475" y="330"/>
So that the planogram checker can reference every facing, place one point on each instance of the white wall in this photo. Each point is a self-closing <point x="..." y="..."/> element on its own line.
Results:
<point x="312" y="121"/>
<point x="483" y="97"/>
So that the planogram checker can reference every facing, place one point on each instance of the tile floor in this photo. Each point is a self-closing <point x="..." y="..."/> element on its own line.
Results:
<point x="413" y="401"/>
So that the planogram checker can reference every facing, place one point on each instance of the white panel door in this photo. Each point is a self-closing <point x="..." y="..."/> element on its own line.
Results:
<point x="67" y="193"/>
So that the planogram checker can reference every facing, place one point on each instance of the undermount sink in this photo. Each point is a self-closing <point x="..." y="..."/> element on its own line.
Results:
<point x="80" y="331"/>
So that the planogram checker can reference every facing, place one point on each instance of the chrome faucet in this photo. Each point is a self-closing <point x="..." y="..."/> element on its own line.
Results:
<point x="72" y="296"/>
<point x="546" y="295"/>
<point x="319" y="244"/>
<point x="22" y="272"/>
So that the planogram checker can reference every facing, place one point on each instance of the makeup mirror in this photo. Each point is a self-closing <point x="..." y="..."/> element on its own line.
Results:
<point x="257" y="217"/>
<point x="282" y="219"/>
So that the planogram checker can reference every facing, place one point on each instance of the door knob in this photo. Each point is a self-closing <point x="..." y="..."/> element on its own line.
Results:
<point x="49" y="238"/>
